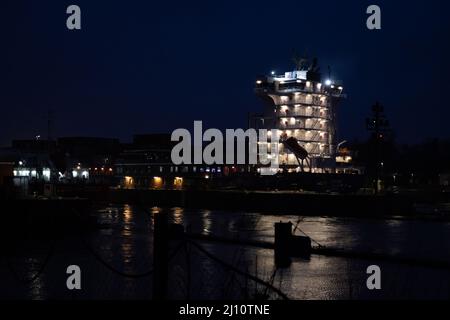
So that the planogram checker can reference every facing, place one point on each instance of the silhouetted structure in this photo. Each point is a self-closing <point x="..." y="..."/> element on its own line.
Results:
<point x="379" y="126"/>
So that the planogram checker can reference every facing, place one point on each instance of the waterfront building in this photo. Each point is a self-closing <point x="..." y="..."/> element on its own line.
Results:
<point x="32" y="160"/>
<point x="65" y="160"/>
<point x="89" y="159"/>
<point x="146" y="164"/>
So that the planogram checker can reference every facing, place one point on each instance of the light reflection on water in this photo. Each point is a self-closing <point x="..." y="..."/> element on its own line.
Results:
<point x="125" y="242"/>
<point x="177" y="215"/>
<point x="37" y="288"/>
<point x="205" y="221"/>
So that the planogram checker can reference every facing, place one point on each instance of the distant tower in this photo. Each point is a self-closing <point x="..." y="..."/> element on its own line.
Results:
<point x="300" y="105"/>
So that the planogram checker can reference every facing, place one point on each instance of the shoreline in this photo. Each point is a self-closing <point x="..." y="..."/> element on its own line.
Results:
<point x="283" y="203"/>
<point x="393" y="206"/>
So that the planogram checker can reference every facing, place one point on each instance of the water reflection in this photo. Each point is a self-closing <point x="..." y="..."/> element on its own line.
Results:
<point x="336" y="278"/>
<point x="37" y="287"/>
<point x="177" y="215"/>
<point x="206" y="222"/>
<point x="125" y="241"/>
<point x="127" y="246"/>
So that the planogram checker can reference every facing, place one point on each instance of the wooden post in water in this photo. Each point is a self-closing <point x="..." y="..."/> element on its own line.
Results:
<point x="283" y="241"/>
<point x="160" y="255"/>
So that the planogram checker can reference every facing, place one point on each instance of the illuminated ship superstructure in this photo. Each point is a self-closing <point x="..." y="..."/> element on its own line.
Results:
<point x="302" y="105"/>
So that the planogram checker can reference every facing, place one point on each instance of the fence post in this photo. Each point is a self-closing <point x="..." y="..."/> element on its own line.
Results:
<point x="160" y="255"/>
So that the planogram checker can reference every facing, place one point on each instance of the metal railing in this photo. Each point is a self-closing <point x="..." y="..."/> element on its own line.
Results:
<point x="302" y="113"/>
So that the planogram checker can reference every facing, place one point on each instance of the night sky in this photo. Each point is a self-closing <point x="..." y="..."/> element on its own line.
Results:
<point x="145" y="66"/>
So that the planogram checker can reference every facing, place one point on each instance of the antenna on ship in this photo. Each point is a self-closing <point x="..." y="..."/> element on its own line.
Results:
<point x="49" y="124"/>
<point x="299" y="61"/>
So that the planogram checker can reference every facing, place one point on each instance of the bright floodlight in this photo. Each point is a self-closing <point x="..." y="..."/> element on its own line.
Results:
<point x="328" y="82"/>
<point x="273" y="72"/>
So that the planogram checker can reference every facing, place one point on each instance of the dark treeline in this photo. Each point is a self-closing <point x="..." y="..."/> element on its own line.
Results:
<point x="426" y="163"/>
<point x="394" y="164"/>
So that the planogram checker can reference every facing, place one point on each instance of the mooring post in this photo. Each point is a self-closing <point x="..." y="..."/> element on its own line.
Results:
<point x="160" y="256"/>
<point x="283" y="242"/>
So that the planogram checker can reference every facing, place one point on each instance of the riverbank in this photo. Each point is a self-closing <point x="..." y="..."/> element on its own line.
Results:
<point x="281" y="202"/>
<point x="44" y="216"/>
<point x="412" y="205"/>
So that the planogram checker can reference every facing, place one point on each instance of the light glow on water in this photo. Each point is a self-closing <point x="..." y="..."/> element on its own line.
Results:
<point x="125" y="241"/>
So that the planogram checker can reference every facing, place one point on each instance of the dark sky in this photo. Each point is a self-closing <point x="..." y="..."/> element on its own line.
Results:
<point x="147" y="66"/>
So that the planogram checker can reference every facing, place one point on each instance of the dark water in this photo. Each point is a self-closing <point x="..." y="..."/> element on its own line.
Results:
<point x="124" y="244"/>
